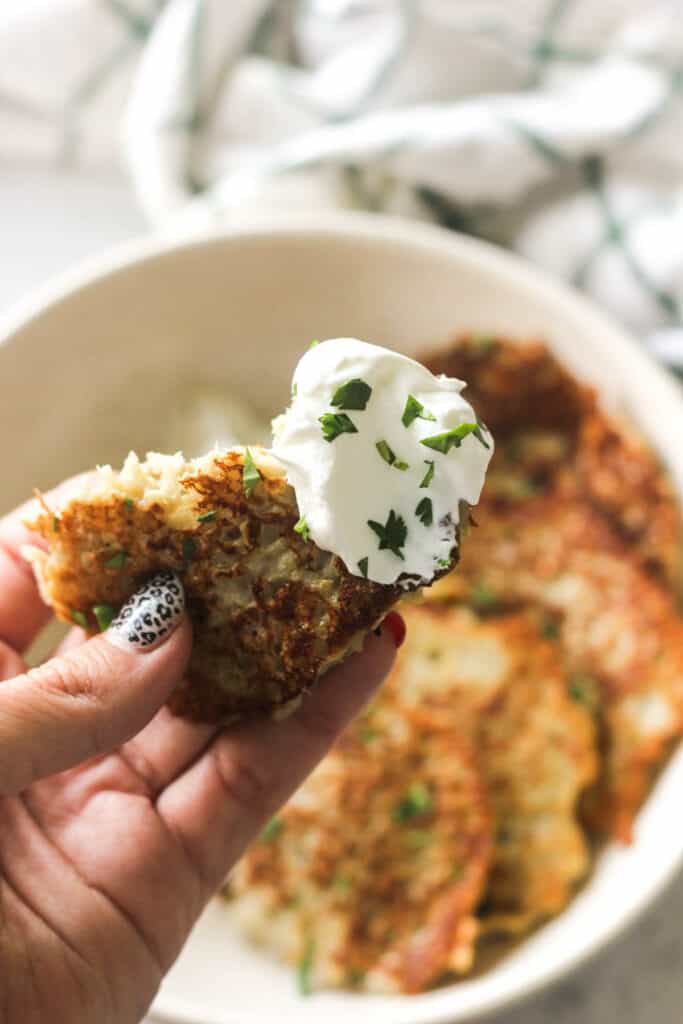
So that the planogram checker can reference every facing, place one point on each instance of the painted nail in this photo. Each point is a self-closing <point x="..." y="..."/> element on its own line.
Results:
<point x="149" y="617"/>
<point x="396" y="626"/>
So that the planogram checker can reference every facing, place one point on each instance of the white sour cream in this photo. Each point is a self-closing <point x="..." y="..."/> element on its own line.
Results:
<point x="375" y="469"/>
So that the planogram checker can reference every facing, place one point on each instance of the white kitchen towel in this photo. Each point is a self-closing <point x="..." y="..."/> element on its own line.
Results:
<point x="554" y="127"/>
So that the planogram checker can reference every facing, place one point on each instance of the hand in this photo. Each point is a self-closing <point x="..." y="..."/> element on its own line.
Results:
<point x="118" y="821"/>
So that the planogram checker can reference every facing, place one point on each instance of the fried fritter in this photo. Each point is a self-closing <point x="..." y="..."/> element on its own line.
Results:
<point x="370" y="875"/>
<point x="270" y="610"/>
<point x="501" y="687"/>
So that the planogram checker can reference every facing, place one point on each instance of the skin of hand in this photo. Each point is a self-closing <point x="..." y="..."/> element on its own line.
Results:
<point x="118" y="821"/>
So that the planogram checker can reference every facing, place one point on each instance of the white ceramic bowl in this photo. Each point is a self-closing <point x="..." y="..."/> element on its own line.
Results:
<point x="89" y="369"/>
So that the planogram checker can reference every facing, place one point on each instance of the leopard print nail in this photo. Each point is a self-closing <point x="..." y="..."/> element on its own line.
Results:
<point x="152" y="613"/>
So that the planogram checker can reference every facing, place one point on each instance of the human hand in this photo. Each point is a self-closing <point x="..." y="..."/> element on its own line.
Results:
<point x="118" y="821"/>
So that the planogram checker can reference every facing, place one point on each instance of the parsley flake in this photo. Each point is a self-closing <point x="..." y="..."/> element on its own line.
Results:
<point x="302" y="529"/>
<point x="104" y="613"/>
<point x="355" y="394"/>
<point x="305" y="968"/>
<point x="55" y="524"/>
<point x="455" y="437"/>
<point x="79" y="618"/>
<point x="415" y="410"/>
<point x="314" y="344"/>
<point x="336" y="423"/>
<point x="129" y="503"/>
<point x="425" y="512"/>
<point x="416" y="800"/>
<point x="250" y="474"/>
<point x="389" y="457"/>
<point x="271" y="829"/>
<point x="363" y="566"/>
<point x="206" y="517"/>
<point x="429" y="475"/>
<point x="392" y="535"/>
<point x="585" y="689"/>
<point x="117" y="561"/>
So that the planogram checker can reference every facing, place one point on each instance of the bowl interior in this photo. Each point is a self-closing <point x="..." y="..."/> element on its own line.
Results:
<point x="99" y="367"/>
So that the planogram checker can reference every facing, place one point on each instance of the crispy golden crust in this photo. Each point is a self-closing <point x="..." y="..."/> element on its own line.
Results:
<point x="376" y="879"/>
<point x="502" y="687"/>
<point x="270" y="611"/>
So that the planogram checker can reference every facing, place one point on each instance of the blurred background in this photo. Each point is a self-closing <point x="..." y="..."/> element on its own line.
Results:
<point x="552" y="127"/>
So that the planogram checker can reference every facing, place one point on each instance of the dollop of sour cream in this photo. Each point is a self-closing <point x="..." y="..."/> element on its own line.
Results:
<point x="380" y="453"/>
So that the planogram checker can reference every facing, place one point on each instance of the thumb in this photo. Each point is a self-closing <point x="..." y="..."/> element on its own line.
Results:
<point x="92" y="699"/>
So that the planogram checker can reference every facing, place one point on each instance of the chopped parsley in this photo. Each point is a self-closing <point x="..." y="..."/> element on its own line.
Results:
<point x="341" y="884"/>
<point x="363" y="566"/>
<point x="189" y="549"/>
<point x="302" y="529"/>
<point x="206" y="517"/>
<point x="429" y="475"/>
<point x="104" y="613"/>
<point x="355" y="394"/>
<point x="336" y="423"/>
<point x="415" y="410"/>
<point x="585" y="690"/>
<point x="443" y="563"/>
<point x="392" y="535"/>
<point x="314" y="344"/>
<point x="55" y="524"/>
<point x="250" y="474"/>
<point x="79" y="618"/>
<point x="482" y="342"/>
<point x="117" y="560"/>
<point x="271" y="830"/>
<point x="425" y="512"/>
<point x="389" y="457"/>
<point x="416" y="800"/>
<point x="550" y="629"/>
<point x="455" y="437"/>
<point x="484" y="599"/>
<point x="129" y="503"/>
<point x="305" y="968"/>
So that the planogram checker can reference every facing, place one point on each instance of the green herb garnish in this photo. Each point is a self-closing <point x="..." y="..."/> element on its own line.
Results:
<point x="482" y="342"/>
<point x="389" y="457"/>
<point x="443" y="563"/>
<point x="550" y="630"/>
<point x="271" y="830"/>
<point x="342" y="884"/>
<point x="415" y="410"/>
<point x="363" y="566"/>
<point x="189" y="549"/>
<point x="55" y="524"/>
<point x="429" y="475"/>
<point x="454" y="438"/>
<point x="129" y="503"/>
<point x="206" y="517"/>
<point x="484" y="599"/>
<point x="117" y="561"/>
<point x="585" y="689"/>
<point x="355" y="394"/>
<point x="314" y="344"/>
<point x="416" y="800"/>
<point x="302" y="529"/>
<point x="425" y="511"/>
<point x="305" y="968"/>
<point x="104" y="613"/>
<point x="416" y="838"/>
<point x="250" y="474"/>
<point x="336" y="423"/>
<point x="79" y="618"/>
<point x="392" y="535"/>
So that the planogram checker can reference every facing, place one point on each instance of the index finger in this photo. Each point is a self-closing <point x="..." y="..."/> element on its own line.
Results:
<point x="22" y="610"/>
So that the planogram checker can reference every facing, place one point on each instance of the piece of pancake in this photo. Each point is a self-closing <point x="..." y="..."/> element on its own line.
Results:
<point x="271" y="612"/>
<point x="499" y="686"/>
<point x="370" y="876"/>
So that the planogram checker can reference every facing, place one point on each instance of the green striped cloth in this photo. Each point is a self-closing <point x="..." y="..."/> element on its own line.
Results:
<point x="550" y="126"/>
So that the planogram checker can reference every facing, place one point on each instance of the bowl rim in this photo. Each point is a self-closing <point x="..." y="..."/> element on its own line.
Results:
<point x="491" y="261"/>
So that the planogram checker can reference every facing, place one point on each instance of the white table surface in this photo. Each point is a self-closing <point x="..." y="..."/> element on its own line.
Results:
<point x="48" y="222"/>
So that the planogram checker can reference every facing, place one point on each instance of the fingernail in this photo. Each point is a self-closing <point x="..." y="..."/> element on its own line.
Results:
<point x="396" y="626"/>
<point x="149" y="617"/>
